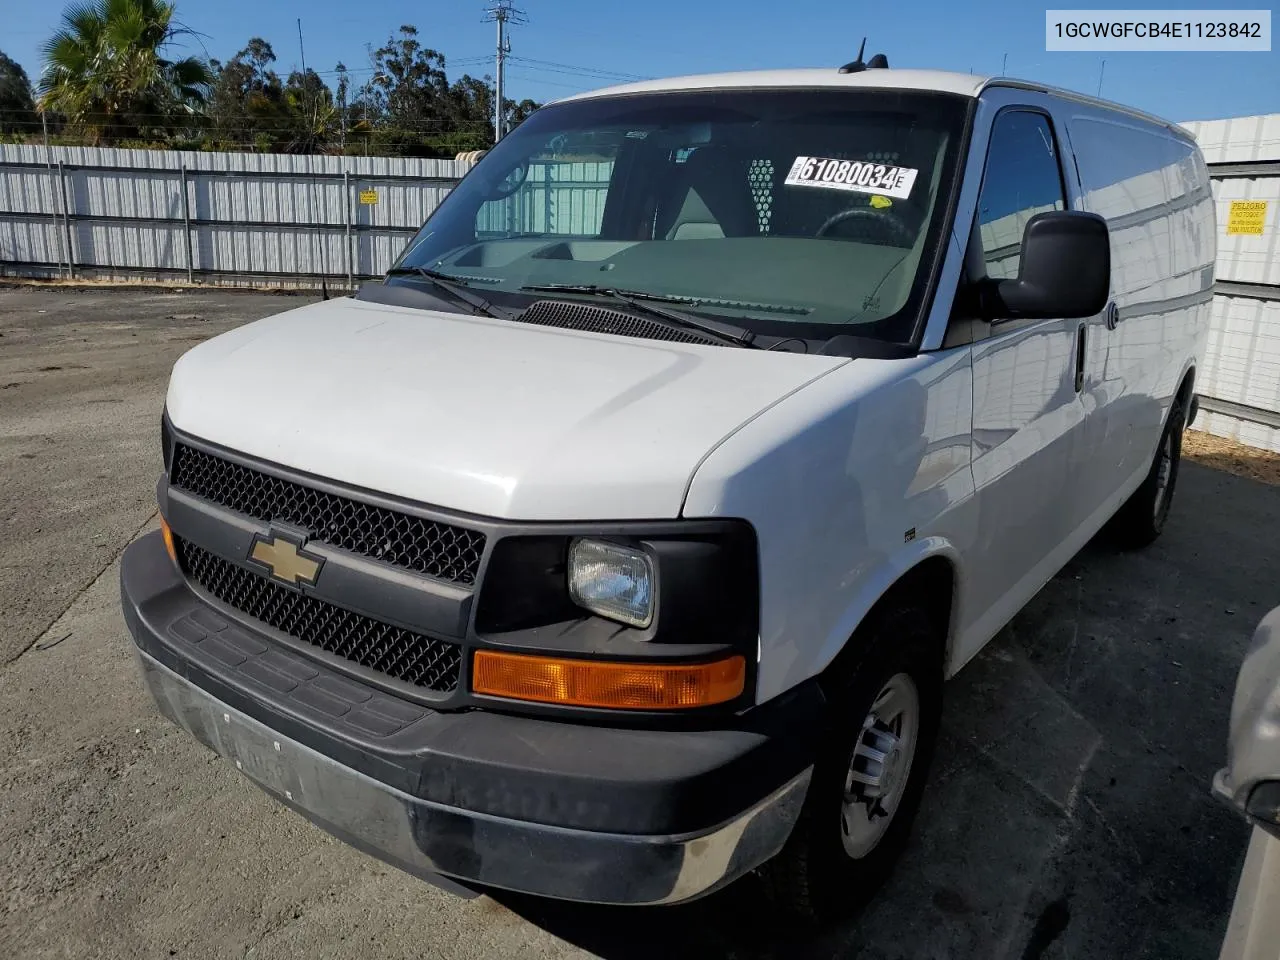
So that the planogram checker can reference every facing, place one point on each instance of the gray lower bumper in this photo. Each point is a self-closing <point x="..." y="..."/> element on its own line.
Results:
<point x="417" y="836"/>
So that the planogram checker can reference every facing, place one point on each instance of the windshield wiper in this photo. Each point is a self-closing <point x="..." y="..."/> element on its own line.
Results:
<point x="453" y="286"/>
<point x="644" y="303"/>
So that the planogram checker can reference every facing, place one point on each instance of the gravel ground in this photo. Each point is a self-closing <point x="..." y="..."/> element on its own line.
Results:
<point x="1069" y="814"/>
<point x="1231" y="456"/>
<point x="82" y="381"/>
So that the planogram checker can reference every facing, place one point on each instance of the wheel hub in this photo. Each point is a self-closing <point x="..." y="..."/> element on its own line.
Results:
<point x="880" y="765"/>
<point x="875" y="760"/>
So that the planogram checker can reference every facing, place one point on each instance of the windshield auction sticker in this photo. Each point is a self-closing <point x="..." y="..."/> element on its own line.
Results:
<point x="855" y="176"/>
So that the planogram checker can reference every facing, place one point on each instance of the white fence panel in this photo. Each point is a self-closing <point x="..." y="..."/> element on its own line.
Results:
<point x="1240" y="384"/>
<point x="219" y="217"/>
<point x="1245" y="258"/>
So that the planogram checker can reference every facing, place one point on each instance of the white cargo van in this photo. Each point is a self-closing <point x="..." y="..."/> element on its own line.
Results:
<point x="620" y="540"/>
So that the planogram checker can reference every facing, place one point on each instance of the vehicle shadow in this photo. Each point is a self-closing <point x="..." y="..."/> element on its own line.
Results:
<point x="1069" y="811"/>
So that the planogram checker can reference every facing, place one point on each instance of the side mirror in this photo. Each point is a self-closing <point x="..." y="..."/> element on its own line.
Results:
<point x="1064" y="270"/>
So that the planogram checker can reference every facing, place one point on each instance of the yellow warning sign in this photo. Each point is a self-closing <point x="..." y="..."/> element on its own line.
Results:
<point x="1246" y="217"/>
<point x="369" y="197"/>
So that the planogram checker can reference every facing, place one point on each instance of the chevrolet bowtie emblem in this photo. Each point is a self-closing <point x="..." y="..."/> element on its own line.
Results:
<point x="285" y="560"/>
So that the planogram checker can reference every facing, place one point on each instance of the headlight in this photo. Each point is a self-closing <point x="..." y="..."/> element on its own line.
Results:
<point x="612" y="581"/>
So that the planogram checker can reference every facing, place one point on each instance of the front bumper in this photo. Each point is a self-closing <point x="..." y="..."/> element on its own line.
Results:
<point x="394" y="821"/>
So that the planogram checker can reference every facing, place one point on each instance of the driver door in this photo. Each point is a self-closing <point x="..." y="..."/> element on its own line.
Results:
<point x="1026" y="403"/>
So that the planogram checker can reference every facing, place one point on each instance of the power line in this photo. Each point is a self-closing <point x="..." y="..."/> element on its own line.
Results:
<point x="550" y="83"/>
<point x="554" y="67"/>
<point x="459" y="62"/>
<point x="574" y="73"/>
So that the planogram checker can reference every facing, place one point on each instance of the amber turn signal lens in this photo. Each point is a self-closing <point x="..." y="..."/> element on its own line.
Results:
<point x="593" y="683"/>
<point x="168" y="540"/>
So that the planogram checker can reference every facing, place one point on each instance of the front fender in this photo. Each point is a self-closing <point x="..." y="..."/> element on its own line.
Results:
<point x="849" y="483"/>
<point x="879" y="582"/>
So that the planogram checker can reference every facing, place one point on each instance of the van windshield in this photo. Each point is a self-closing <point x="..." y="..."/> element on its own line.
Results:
<point x="792" y="213"/>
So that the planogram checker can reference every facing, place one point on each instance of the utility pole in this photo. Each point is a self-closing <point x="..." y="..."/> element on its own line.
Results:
<point x="303" y="54"/>
<point x="368" y="92"/>
<point x="342" y="105"/>
<point x="503" y="12"/>
<point x="309" y="105"/>
<point x="311" y="183"/>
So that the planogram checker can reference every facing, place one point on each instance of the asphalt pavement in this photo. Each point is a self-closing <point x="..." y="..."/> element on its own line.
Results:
<point x="1069" y="814"/>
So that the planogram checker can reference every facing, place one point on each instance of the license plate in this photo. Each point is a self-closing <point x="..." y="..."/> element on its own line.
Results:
<point x="266" y="761"/>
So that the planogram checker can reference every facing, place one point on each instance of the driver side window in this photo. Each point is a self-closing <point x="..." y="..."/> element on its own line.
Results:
<point x="1022" y="179"/>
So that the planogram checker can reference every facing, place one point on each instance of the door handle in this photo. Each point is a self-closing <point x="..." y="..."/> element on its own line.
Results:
<point x="1081" y="333"/>
<point x="1112" y="315"/>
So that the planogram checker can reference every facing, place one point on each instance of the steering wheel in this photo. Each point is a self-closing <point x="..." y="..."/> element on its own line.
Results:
<point x="886" y="219"/>
<point x="511" y="182"/>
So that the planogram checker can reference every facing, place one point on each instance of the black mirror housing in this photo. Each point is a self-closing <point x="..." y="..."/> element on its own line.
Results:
<point x="1064" y="270"/>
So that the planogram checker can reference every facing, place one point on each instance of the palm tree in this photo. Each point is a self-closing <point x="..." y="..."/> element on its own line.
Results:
<point x="107" y="73"/>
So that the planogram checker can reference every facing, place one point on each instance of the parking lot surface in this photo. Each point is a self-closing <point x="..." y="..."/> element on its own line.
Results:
<point x="1069" y="814"/>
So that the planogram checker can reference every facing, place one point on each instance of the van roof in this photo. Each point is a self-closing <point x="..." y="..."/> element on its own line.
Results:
<point x="963" y="84"/>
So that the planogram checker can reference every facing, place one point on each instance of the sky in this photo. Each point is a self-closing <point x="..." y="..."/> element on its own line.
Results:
<point x="573" y="45"/>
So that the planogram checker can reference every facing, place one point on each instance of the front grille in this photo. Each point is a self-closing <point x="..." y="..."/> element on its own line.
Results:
<point x="584" y="316"/>
<point x="412" y="657"/>
<point x="437" y="550"/>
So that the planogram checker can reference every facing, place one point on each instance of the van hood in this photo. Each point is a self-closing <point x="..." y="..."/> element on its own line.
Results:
<point x="492" y="417"/>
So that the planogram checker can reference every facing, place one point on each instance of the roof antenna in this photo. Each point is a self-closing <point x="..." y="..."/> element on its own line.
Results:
<point x="878" y="62"/>
<point x="857" y="66"/>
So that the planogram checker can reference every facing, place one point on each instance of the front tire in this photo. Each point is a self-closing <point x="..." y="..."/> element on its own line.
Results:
<point x="1144" y="514"/>
<point x="870" y="772"/>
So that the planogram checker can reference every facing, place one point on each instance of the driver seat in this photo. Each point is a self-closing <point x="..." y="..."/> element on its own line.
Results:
<point x="711" y="198"/>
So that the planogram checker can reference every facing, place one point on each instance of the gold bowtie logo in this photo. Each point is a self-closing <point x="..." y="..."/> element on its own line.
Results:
<point x="285" y="560"/>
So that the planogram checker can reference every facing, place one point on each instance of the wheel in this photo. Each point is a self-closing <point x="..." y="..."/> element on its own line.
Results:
<point x="1139" y="521"/>
<point x="869" y="774"/>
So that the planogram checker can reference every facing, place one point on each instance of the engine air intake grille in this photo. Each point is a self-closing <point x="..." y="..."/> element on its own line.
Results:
<point x="584" y="316"/>
<point x="438" y="550"/>
<point x="411" y="657"/>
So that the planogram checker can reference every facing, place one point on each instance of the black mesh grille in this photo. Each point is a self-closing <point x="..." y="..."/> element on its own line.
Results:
<point x="583" y="316"/>
<point x="411" y="657"/>
<point x="437" y="550"/>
